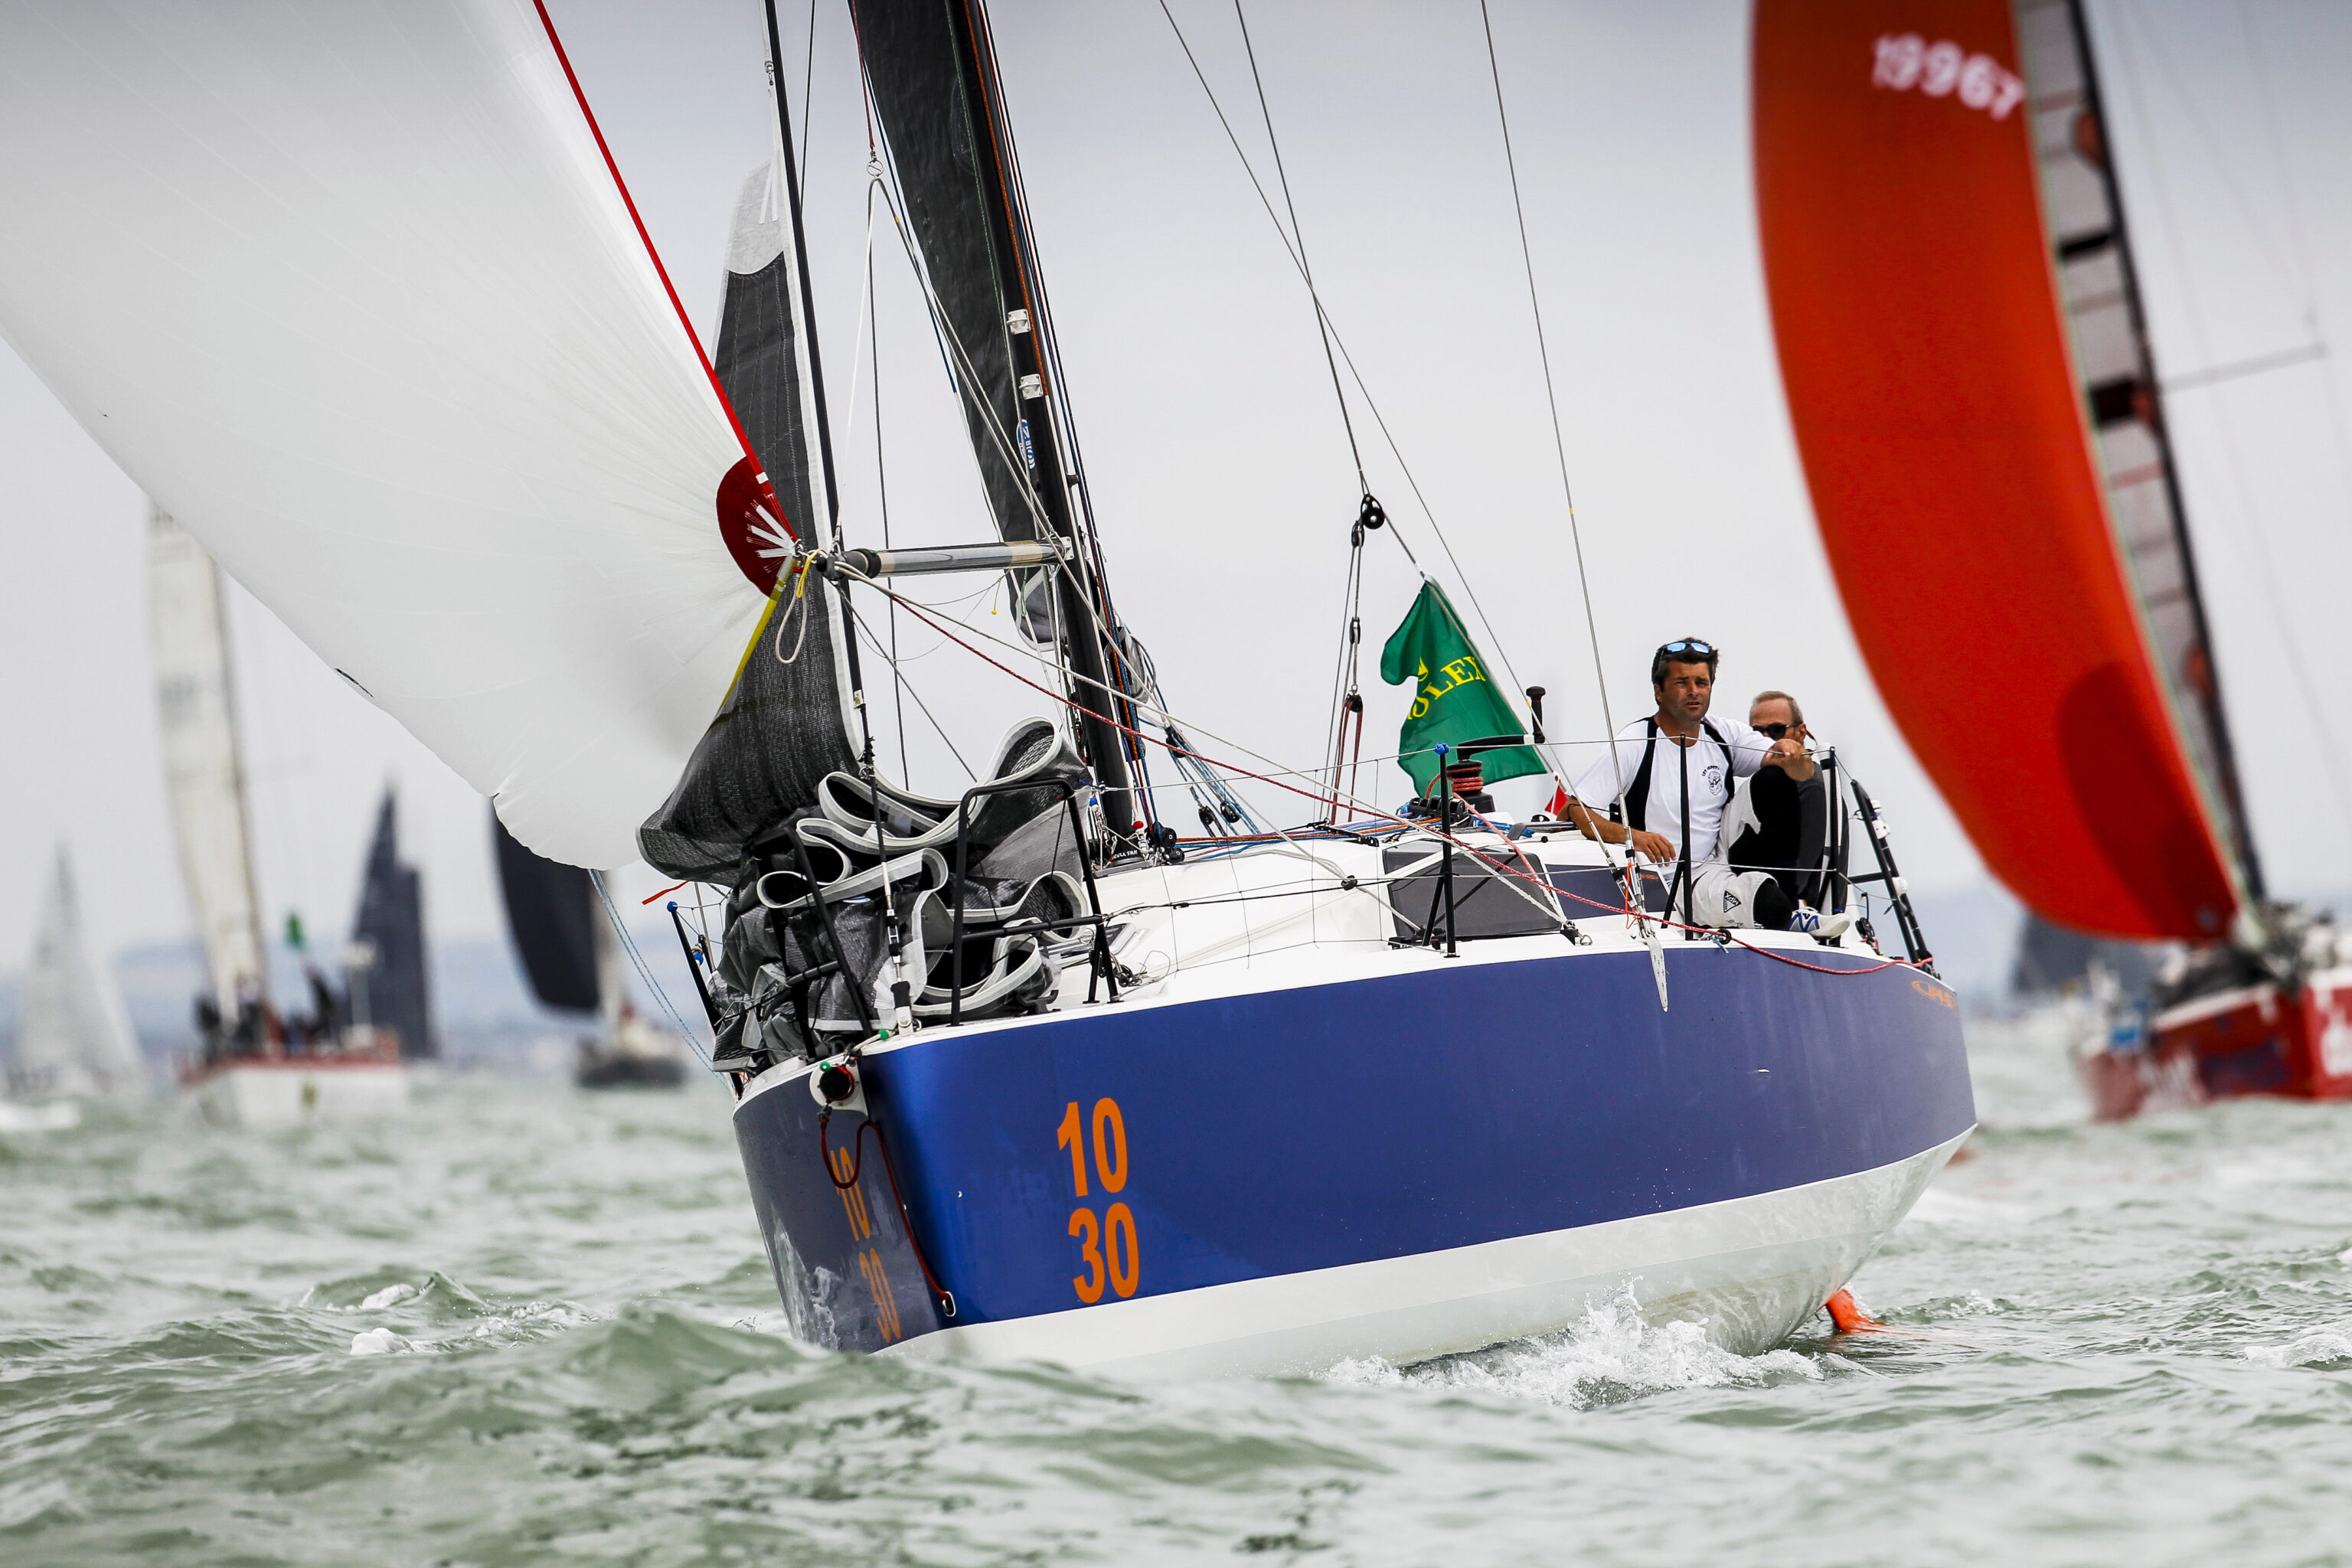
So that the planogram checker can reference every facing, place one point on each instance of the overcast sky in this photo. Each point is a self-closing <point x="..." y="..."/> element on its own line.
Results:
<point x="1214" y="448"/>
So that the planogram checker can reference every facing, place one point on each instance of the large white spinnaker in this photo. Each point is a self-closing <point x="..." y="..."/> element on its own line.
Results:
<point x="353" y="292"/>
<point x="195" y="709"/>
<point x="72" y="1038"/>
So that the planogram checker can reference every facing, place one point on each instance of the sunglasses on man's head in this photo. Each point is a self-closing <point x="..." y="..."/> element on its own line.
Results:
<point x="1688" y="645"/>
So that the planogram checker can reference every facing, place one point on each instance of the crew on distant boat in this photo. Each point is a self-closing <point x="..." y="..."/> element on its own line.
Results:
<point x="1673" y="809"/>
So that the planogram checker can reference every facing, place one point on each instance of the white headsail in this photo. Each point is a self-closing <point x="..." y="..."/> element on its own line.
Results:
<point x="352" y="293"/>
<point x="195" y="705"/>
<point x="72" y="1037"/>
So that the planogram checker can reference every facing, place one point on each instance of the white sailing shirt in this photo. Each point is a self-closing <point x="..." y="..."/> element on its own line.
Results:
<point x="1712" y="770"/>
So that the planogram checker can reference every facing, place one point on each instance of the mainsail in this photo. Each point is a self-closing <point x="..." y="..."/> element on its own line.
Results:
<point x="195" y="700"/>
<point x="72" y="1038"/>
<point x="356" y="294"/>
<point x="932" y="71"/>
<point x="1969" y="491"/>
<point x="391" y="921"/>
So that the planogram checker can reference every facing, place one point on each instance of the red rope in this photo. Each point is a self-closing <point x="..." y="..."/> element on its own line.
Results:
<point x="890" y="1170"/>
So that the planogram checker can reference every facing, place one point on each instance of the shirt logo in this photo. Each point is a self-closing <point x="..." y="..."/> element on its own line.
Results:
<point x="1714" y="775"/>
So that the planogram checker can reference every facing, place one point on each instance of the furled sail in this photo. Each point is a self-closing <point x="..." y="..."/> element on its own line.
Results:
<point x="72" y="1038"/>
<point x="355" y="293"/>
<point x="551" y="909"/>
<point x="1960" y="490"/>
<point x="391" y="921"/>
<point x="931" y="69"/>
<point x="783" y="725"/>
<point x="195" y="700"/>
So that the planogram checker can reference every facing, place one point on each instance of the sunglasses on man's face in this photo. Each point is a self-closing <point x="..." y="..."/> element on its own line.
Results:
<point x="1777" y="731"/>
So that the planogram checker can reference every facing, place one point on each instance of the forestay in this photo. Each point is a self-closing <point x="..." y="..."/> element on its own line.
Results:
<point x="351" y="291"/>
<point x="1946" y="444"/>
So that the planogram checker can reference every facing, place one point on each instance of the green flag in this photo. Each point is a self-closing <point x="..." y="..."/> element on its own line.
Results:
<point x="1453" y="701"/>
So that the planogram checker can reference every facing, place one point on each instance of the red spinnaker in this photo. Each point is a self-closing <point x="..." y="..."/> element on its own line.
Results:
<point x="1948" y="455"/>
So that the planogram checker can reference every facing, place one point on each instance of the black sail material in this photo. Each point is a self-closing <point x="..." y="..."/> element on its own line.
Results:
<point x="784" y="723"/>
<point x="391" y="918"/>
<point x="551" y="909"/>
<point x="931" y="69"/>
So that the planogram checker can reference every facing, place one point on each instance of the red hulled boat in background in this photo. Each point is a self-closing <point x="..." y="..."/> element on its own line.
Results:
<point x="1970" y="377"/>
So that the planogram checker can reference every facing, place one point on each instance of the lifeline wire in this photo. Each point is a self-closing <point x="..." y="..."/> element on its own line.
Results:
<point x="1725" y="937"/>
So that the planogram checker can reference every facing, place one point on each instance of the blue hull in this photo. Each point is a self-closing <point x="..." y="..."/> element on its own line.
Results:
<point x="1278" y="1132"/>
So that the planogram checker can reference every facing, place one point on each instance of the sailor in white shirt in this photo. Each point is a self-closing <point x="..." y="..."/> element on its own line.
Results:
<point x="1674" y="772"/>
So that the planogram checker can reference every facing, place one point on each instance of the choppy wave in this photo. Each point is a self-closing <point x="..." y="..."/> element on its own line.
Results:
<point x="1610" y="1355"/>
<point x="524" y="1327"/>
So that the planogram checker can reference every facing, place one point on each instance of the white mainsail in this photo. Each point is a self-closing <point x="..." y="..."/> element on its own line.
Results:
<point x="195" y="701"/>
<point x="72" y="1038"/>
<point x="352" y="293"/>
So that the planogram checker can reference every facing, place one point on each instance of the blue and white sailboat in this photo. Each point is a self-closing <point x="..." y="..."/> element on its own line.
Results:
<point x="1018" y="1079"/>
<point x="1021" y="1072"/>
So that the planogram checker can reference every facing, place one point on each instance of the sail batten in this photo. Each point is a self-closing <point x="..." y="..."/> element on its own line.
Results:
<point x="1956" y="475"/>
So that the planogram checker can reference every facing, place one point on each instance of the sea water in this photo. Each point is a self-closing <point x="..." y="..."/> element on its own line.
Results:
<point x="523" y="1325"/>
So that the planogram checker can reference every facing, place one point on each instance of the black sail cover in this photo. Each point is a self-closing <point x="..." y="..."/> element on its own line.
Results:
<point x="551" y="909"/>
<point x="784" y="723"/>
<point x="392" y="919"/>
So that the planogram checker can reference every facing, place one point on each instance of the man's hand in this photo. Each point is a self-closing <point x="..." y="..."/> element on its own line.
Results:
<point x="1789" y="755"/>
<point x="1656" y="846"/>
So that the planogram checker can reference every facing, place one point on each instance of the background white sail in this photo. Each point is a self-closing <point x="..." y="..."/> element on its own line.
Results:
<point x="352" y="293"/>
<point x="195" y="704"/>
<point x="72" y="1038"/>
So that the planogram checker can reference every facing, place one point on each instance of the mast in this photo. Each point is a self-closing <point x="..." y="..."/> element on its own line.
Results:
<point x="806" y="335"/>
<point x="2099" y="288"/>
<point x="931" y="71"/>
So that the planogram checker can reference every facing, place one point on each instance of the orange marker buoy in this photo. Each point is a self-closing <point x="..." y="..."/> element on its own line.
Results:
<point x="1847" y="1314"/>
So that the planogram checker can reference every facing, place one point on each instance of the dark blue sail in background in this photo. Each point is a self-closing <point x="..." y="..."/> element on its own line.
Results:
<point x="397" y="990"/>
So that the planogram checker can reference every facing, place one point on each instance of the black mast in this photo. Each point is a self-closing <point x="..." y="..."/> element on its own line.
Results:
<point x="800" y="263"/>
<point x="933" y="74"/>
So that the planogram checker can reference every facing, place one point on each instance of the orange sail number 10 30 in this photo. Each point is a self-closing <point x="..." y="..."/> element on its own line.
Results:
<point x="1105" y="1245"/>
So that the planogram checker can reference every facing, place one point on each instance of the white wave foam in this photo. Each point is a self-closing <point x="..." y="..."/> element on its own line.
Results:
<point x="2328" y="1346"/>
<point x="390" y="1296"/>
<point x="377" y="1341"/>
<point x="1611" y="1353"/>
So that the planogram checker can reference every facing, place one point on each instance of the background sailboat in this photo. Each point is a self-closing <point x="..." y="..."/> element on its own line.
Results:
<point x="569" y="955"/>
<point x="1976" y="400"/>
<point x="73" y="1040"/>
<point x="245" y="1076"/>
